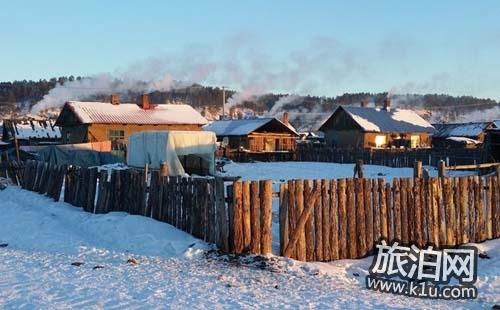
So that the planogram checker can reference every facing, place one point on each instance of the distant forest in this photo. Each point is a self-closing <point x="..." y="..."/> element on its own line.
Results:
<point x="20" y="95"/>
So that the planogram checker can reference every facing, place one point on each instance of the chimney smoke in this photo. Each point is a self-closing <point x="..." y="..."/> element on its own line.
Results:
<point x="144" y="102"/>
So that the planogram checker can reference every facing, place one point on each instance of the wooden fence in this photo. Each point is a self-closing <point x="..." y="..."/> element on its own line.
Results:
<point x="12" y="170"/>
<point x="196" y="205"/>
<point x="393" y="157"/>
<point x="43" y="178"/>
<point x="250" y="217"/>
<point x="325" y="220"/>
<point x="320" y="220"/>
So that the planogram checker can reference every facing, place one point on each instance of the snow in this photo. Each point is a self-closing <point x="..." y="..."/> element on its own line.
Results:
<point x="410" y="116"/>
<point x="173" y="269"/>
<point x="381" y="120"/>
<point x="281" y="171"/>
<point x="26" y="131"/>
<point x="460" y="129"/>
<point x="463" y="139"/>
<point x="128" y="113"/>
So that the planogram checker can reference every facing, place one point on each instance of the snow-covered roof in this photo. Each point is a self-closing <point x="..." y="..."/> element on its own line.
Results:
<point x="464" y="140"/>
<point x="383" y="120"/>
<point x="241" y="127"/>
<point x="129" y="113"/>
<point x="461" y="129"/>
<point x="497" y="123"/>
<point x="32" y="129"/>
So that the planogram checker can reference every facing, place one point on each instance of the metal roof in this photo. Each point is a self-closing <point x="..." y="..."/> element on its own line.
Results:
<point x="472" y="129"/>
<point x="241" y="127"/>
<point x="383" y="120"/>
<point x="129" y="113"/>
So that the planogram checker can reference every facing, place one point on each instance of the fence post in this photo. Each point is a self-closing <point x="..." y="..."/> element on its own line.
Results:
<point x="266" y="216"/>
<point x="441" y="168"/>
<point x="417" y="169"/>
<point x="358" y="169"/>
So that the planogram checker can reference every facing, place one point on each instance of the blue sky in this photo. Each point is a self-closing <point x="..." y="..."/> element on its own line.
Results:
<point x="319" y="47"/>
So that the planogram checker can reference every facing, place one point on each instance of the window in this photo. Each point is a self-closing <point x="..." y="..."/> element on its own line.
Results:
<point x="380" y="141"/>
<point x="414" y="141"/>
<point x="114" y="135"/>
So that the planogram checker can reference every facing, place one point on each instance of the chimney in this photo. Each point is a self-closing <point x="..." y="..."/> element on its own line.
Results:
<point x="364" y="103"/>
<point x="115" y="100"/>
<point x="285" y="118"/>
<point x="387" y="104"/>
<point x="144" y="102"/>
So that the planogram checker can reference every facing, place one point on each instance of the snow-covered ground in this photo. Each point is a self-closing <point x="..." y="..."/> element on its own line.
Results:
<point x="279" y="171"/>
<point x="40" y="239"/>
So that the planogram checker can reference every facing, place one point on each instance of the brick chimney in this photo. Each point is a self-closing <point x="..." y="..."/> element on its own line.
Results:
<point x="285" y="119"/>
<point x="387" y="103"/>
<point x="144" y="102"/>
<point x="364" y="103"/>
<point x="115" y="99"/>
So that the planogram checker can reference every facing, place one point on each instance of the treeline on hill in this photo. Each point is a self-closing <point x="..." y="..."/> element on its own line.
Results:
<point x="22" y="94"/>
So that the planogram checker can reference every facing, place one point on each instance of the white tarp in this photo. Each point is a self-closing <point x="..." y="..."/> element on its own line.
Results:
<point x="155" y="147"/>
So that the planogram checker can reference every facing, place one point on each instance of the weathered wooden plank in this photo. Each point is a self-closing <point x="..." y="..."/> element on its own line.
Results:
<point x="464" y="209"/>
<point x="441" y="212"/>
<point x="360" y="217"/>
<point x="334" y="222"/>
<point x="309" y="229"/>
<point x="92" y="183"/>
<point x="292" y="214"/>
<point x="390" y="211"/>
<point x="300" y="245"/>
<point x="419" y="225"/>
<point x="450" y="212"/>
<point x="237" y="219"/>
<point x="403" y="209"/>
<point x="317" y="234"/>
<point x="266" y="216"/>
<point x="435" y="211"/>
<point x="283" y="218"/>
<point x="326" y="220"/>
<point x="351" y="219"/>
<point x="496" y="206"/>
<point x="368" y="206"/>
<point x="489" y="207"/>
<point x="478" y="207"/>
<point x="396" y="219"/>
<point x="472" y="210"/>
<point x="247" y="229"/>
<point x="222" y="216"/>
<point x="384" y="226"/>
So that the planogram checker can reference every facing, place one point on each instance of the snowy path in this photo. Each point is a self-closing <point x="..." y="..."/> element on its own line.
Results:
<point x="44" y="238"/>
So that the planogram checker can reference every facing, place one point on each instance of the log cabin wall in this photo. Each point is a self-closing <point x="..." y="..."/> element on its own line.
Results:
<point x="100" y="132"/>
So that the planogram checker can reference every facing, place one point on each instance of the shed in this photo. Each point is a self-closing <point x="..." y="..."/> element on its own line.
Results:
<point x="31" y="131"/>
<point x="183" y="151"/>
<point x="255" y="134"/>
<point x="371" y="127"/>
<point x="447" y="135"/>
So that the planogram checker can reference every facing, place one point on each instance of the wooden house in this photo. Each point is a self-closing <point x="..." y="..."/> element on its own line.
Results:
<point x="468" y="135"/>
<point x="83" y="122"/>
<point x="372" y="127"/>
<point x="30" y="132"/>
<point x="255" y="135"/>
